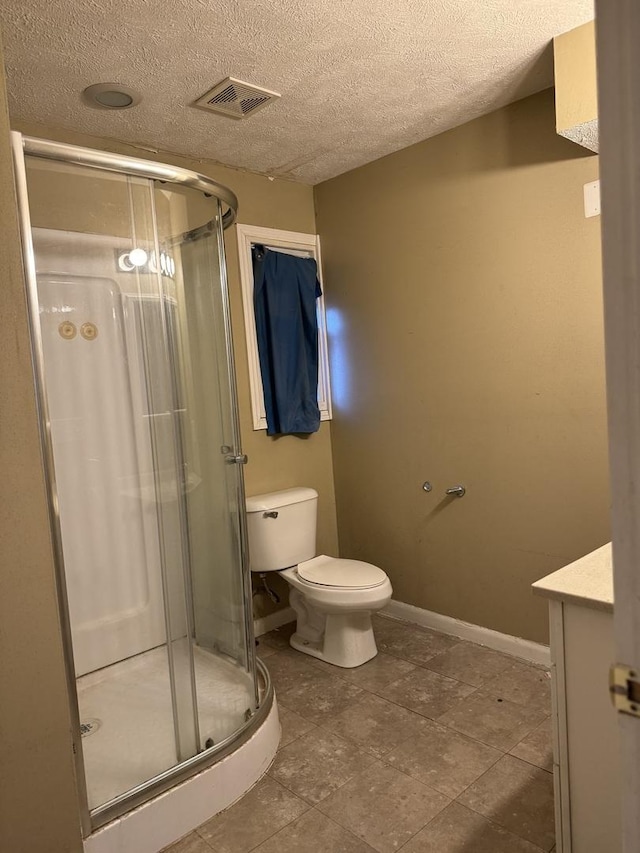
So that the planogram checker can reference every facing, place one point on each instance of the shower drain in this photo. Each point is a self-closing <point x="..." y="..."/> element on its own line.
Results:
<point x="89" y="727"/>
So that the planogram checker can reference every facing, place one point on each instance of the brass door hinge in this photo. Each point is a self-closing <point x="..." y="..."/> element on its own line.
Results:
<point x="625" y="689"/>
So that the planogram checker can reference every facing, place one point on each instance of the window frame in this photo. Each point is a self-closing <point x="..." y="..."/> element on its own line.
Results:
<point x="293" y="241"/>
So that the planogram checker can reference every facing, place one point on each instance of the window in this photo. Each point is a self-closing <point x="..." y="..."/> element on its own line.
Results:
<point x="304" y="246"/>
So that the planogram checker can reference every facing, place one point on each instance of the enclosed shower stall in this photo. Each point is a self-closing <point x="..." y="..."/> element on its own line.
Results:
<point x="134" y="368"/>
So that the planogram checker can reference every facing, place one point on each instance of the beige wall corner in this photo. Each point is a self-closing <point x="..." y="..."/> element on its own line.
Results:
<point x="574" y="56"/>
<point x="38" y="801"/>
<point x="274" y="463"/>
<point x="464" y="286"/>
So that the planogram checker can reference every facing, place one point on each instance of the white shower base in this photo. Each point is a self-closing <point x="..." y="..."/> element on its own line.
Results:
<point x="169" y="816"/>
<point x="135" y="739"/>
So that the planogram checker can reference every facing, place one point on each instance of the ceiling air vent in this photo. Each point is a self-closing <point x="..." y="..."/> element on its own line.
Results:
<point x="236" y="99"/>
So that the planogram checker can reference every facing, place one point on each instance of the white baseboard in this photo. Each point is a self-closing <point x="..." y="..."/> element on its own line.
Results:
<point x="519" y="648"/>
<point x="273" y="620"/>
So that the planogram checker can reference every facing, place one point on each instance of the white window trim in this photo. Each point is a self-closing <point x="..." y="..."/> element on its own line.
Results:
<point x="293" y="241"/>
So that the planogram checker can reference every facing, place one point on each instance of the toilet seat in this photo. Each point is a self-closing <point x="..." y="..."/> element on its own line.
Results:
<point x="343" y="574"/>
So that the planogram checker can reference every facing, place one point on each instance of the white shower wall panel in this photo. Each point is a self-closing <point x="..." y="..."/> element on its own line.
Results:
<point x="109" y="531"/>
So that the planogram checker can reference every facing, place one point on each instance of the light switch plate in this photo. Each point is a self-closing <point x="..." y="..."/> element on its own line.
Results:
<point x="592" y="199"/>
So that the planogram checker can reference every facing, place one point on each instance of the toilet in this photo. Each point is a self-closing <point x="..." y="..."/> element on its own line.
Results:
<point x="333" y="598"/>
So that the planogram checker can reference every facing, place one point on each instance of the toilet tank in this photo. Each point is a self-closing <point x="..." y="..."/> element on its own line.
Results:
<point x="282" y="528"/>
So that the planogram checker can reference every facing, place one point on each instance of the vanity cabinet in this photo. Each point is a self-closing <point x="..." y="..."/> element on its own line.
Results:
<point x="585" y="728"/>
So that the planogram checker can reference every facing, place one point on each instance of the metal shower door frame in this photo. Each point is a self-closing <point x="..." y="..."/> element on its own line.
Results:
<point x="237" y="455"/>
<point x="70" y="154"/>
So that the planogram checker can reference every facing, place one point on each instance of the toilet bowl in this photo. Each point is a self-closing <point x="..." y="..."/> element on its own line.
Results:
<point x="333" y="598"/>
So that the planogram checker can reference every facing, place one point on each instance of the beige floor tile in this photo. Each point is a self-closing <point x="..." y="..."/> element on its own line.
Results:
<point x="376" y="725"/>
<point x="323" y="665"/>
<point x="426" y="692"/>
<point x="279" y="637"/>
<point x="293" y="726"/>
<point x="376" y="673"/>
<point x="470" y="663"/>
<point x="289" y="669"/>
<point x="459" y="830"/>
<point x="517" y="796"/>
<point x="383" y="807"/>
<point x="318" y="763"/>
<point x="410" y="642"/>
<point x="537" y="747"/>
<point x="192" y="843"/>
<point x="263" y="651"/>
<point x="522" y="684"/>
<point x="313" y="833"/>
<point x="379" y="672"/>
<point x="388" y="631"/>
<point x="320" y="697"/>
<point x="383" y="708"/>
<point x="443" y="759"/>
<point x="492" y="720"/>
<point x="383" y="625"/>
<point x="268" y="807"/>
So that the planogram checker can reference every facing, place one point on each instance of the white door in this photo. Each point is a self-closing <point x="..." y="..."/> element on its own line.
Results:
<point x="618" y="44"/>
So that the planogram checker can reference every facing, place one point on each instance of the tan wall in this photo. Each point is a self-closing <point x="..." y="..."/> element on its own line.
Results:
<point x="467" y="282"/>
<point x="274" y="463"/>
<point x="38" y="801"/>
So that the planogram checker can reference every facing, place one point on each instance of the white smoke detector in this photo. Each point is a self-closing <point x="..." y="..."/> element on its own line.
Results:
<point x="236" y="99"/>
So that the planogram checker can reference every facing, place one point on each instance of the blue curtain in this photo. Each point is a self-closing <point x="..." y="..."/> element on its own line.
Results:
<point x="285" y="290"/>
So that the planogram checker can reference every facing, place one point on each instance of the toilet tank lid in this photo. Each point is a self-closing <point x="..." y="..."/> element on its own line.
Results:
<point x="272" y="500"/>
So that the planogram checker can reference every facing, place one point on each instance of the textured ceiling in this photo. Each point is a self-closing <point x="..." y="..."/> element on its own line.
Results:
<point x="359" y="78"/>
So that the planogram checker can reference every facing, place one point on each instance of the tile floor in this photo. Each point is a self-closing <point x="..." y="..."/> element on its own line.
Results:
<point x="435" y="746"/>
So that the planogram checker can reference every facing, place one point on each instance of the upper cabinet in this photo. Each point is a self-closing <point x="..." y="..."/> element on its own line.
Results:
<point x="574" y="56"/>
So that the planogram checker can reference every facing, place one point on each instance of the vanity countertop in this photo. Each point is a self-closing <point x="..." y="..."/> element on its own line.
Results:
<point x="588" y="581"/>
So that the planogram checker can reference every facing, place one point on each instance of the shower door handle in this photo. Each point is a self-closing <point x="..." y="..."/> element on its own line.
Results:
<point x="240" y="459"/>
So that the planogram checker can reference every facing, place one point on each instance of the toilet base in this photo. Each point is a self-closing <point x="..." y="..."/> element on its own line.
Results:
<point x="343" y="639"/>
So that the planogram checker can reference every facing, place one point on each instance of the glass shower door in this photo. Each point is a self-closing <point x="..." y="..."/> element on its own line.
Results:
<point x="223" y="649"/>
<point x="139" y="411"/>
<point x="149" y="318"/>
